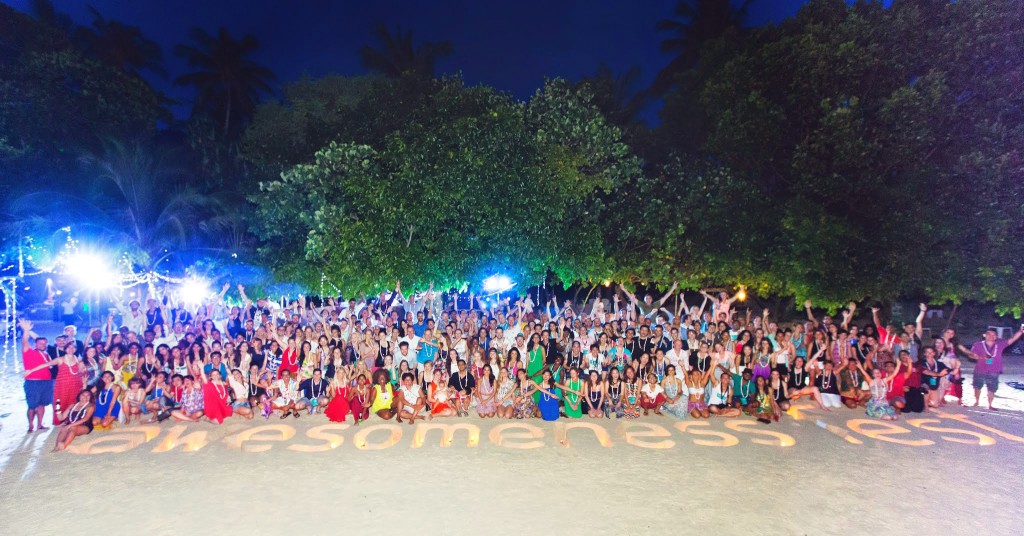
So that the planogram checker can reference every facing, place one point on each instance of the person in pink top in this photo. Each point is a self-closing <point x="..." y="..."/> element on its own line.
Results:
<point x="38" y="380"/>
<point x="988" y="357"/>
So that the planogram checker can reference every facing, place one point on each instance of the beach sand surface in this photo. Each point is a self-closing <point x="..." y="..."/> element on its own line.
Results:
<point x="821" y="484"/>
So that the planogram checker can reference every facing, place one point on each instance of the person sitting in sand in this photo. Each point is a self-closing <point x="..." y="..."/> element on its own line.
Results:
<point x="76" y="420"/>
<point x="410" y="400"/>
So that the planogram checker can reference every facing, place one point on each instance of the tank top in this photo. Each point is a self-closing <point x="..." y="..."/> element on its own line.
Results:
<point x="411" y="396"/>
<point x="575" y="386"/>
<point x="614" y="391"/>
<point x="76" y="415"/>
<point x="778" y="393"/>
<point x="717" y="395"/>
<point x="383" y="398"/>
<point x="801" y="349"/>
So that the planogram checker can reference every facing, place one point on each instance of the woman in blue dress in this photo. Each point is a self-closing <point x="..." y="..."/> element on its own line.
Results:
<point x="108" y="407"/>
<point x="550" y="394"/>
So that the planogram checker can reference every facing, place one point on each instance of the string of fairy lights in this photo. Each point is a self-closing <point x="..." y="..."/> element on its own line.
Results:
<point x="72" y="259"/>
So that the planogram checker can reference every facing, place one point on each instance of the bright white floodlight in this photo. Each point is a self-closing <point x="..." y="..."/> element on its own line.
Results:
<point x="90" y="270"/>
<point x="498" y="283"/>
<point x="195" y="290"/>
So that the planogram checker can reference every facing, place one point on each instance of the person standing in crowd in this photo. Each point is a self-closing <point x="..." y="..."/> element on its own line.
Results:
<point x="38" y="383"/>
<point x="988" y="357"/>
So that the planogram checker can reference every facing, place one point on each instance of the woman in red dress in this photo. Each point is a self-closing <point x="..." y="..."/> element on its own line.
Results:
<point x="216" y="397"/>
<point x="440" y="396"/>
<point x="338" y="408"/>
<point x="289" y="359"/>
<point x="69" y="382"/>
<point x="359" y="399"/>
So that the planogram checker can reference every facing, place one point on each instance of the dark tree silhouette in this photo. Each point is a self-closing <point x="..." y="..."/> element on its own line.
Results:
<point x="695" y="23"/>
<point x="617" y="95"/>
<point x="397" y="55"/>
<point x="120" y="45"/>
<point x="44" y="11"/>
<point x="229" y="82"/>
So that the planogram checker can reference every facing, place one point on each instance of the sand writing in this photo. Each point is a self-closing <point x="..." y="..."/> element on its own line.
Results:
<point x="519" y="435"/>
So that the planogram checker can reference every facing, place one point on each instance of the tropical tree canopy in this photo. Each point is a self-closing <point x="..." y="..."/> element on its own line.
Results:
<point x="484" y="183"/>
<point x="871" y="150"/>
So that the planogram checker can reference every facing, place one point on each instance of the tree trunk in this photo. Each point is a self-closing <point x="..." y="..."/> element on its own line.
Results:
<point x="949" y="321"/>
<point x="227" y="116"/>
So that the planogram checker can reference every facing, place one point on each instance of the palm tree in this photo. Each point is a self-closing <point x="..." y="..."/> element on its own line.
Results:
<point x="135" y="203"/>
<point x="229" y="82"/>
<point x="696" y="22"/>
<point x="398" y="56"/>
<point x="44" y="11"/>
<point x="121" y="45"/>
<point x="617" y="94"/>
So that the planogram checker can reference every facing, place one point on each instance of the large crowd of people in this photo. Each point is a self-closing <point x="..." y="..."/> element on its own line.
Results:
<point x="435" y="355"/>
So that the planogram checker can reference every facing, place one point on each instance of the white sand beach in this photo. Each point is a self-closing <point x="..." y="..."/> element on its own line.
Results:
<point x="697" y="476"/>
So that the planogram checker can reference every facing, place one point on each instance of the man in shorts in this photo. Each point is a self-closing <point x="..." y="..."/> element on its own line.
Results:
<point x="988" y="356"/>
<point x="38" y="384"/>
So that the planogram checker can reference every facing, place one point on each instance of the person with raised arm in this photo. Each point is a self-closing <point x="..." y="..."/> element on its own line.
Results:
<point x="850" y="380"/>
<point x="878" y="405"/>
<point x="649" y="306"/>
<point x="887" y="335"/>
<point x="916" y="330"/>
<point x="721" y="305"/>
<point x="848" y="315"/>
<point x="696" y="384"/>
<point x="988" y="357"/>
<point x="826" y="320"/>
<point x="38" y="383"/>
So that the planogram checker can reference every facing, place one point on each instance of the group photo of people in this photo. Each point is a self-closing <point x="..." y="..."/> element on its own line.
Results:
<point x="433" y="355"/>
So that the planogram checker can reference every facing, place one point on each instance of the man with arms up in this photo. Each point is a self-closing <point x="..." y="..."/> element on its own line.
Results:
<point x="988" y="357"/>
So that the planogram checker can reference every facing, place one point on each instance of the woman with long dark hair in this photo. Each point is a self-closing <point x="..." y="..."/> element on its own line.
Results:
<point x="108" y="405"/>
<point x="524" y="406"/>
<point x="631" y="394"/>
<point x="485" y="393"/>
<point x="76" y="420"/>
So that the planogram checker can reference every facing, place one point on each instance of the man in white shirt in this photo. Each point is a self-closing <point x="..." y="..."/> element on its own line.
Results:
<point x="172" y="337"/>
<point x="413" y="343"/>
<point x="520" y="344"/>
<point x="404" y="354"/>
<point x="133" y="318"/>
<point x="677" y="356"/>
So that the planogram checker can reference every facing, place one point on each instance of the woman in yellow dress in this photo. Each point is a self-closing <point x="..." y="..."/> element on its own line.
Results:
<point x="382" y="396"/>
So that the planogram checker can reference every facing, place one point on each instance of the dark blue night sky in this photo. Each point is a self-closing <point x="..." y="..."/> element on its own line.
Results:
<point x="512" y="46"/>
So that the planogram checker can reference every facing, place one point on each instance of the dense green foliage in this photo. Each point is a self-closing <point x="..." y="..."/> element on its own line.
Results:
<point x="878" y="146"/>
<point x="489" y="184"/>
<point x="59" y="101"/>
<point x="852" y="152"/>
